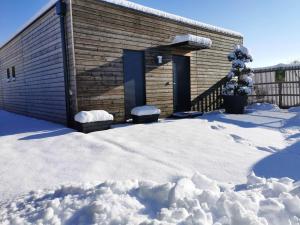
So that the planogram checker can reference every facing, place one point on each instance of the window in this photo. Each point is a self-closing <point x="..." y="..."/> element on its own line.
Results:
<point x="8" y="74"/>
<point x="280" y="76"/>
<point x="13" y="72"/>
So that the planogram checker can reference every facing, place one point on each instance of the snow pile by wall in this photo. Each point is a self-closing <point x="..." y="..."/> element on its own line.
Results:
<point x="205" y="42"/>
<point x="145" y="110"/>
<point x="93" y="116"/>
<point x="196" y="200"/>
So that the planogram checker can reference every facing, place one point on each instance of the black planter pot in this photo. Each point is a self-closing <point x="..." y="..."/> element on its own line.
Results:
<point x="145" y="119"/>
<point x="235" y="104"/>
<point x="93" y="126"/>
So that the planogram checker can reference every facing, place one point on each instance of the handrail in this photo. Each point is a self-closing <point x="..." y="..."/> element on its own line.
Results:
<point x="210" y="99"/>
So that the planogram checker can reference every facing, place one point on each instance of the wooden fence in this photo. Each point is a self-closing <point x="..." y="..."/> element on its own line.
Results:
<point x="269" y="87"/>
<point x="278" y="85"/>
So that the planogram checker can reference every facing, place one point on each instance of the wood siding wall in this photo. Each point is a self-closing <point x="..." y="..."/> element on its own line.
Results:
<point x="102" y="31"/>
<point x="36" y="53"/>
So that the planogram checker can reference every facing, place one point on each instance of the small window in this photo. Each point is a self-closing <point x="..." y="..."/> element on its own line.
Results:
<point x="280" y="76"/>
<point x="8" y="73"/>
<point x="13" y="72"/>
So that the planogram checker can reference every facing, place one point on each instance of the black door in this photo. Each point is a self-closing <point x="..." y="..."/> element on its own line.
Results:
<point x="182" y="83"/>
<point x="134" y="80"/>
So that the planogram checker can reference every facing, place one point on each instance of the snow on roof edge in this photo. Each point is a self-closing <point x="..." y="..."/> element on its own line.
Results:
<point x="44" y="9"/>
<point x="145" y="9"/>
<point x="278" y="66"/>
<point x="130" y="5"/>
<point x="205" y="42"/>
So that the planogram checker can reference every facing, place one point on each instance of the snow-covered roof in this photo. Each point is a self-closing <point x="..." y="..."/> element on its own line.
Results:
<point x="134" y="6"/>
<point x="148" y="10"/>
<point x="280" y="66"/>
<point x="201" y="41"/>
<point x="44" y="9"/>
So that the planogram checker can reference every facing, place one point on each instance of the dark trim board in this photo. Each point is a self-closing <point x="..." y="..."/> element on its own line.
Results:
<point x="189" y="46"/>
<point x="61" y="10"/>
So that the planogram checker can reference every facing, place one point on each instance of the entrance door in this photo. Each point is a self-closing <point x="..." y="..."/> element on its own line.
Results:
<point x="182" y="83"/>
<point x="134" y="80"/>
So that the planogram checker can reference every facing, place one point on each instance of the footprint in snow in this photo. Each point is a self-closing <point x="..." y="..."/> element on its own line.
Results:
<point x="237" y="138"/>
<point x="267" y="149"/>
<point x="217" y="127"/>
<point x="241" y="140"/>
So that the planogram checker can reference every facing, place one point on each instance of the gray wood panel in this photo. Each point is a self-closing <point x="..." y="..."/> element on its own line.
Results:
<point x="36" y="53"/>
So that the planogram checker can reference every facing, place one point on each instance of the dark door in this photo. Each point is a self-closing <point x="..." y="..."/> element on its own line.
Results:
<point x="182" y="83"/>
<point x="134" y="80"/>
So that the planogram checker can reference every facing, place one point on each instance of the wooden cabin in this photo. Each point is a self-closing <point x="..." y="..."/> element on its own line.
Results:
<point x="113" y="55"/>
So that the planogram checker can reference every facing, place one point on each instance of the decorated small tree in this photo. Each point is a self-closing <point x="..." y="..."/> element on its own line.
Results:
<point x="240" y="77"/>
<point x="240" y="83"/>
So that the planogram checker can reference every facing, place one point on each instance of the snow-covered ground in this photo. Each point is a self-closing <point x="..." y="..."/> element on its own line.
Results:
<point x="191" y="171"/>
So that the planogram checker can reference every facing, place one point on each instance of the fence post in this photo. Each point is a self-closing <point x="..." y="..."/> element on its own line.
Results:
<point x="280" y="94"/>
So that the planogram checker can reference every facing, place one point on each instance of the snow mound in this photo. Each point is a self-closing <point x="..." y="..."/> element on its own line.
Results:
<point x="198" y="200"/>
<point x="145" y="110"/>
<point x="93" y="116"/>
<point x="205" y="42"/>
<point x="264" y="107"/>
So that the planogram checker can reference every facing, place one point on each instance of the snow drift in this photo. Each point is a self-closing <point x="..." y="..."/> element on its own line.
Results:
<point x="93" y="116"/>
<point x="196" y="200"/>
<point x="38" y="155"/>
<point x="145" y="110"/>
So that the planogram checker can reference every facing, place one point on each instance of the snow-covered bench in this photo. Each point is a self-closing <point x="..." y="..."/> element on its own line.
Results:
<point x="95" y="120"/>
<point x="145" y="114"/>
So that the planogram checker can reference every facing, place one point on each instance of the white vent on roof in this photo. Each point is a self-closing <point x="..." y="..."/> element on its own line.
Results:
<point x="200" y="41"/>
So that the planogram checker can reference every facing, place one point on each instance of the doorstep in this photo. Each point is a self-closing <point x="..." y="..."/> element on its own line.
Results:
<point x="185" y="115"/>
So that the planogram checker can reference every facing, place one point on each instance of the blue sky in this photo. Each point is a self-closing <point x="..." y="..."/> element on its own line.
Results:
<point x="271" y="28"/>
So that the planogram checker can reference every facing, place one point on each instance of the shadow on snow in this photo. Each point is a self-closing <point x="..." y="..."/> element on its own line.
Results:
<point x="281" y="162"/>
<point x="12" y="124"/>
<point x="285" y="163"/>
<point x="272" y="120"/>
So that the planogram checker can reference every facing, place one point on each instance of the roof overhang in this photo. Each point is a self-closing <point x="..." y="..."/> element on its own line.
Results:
<point x="191" y="42"/>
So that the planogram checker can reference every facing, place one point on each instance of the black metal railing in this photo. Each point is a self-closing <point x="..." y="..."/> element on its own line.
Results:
<point x="210" y="99"/>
